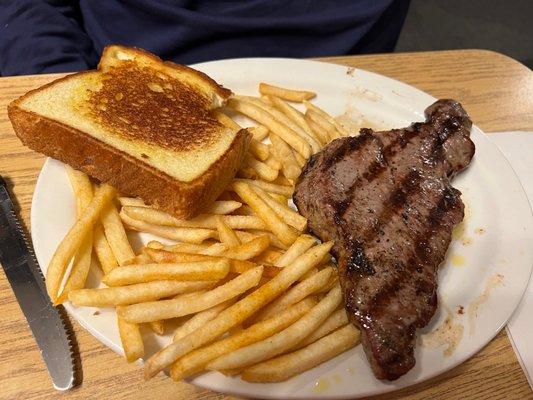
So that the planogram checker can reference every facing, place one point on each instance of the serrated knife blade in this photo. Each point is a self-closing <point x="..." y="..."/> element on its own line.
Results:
<point x="26" y="280"/>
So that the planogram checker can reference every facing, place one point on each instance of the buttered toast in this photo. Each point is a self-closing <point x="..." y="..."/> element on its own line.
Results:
<point x="140" y="124"/>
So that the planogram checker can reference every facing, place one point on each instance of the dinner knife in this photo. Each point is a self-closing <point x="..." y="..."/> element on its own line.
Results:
<point x="26" y="280"/>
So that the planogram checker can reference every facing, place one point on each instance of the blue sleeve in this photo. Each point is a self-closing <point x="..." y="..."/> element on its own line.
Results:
<point x="40" y="36"/>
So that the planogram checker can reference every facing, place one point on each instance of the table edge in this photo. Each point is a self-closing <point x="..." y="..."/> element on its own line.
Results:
<point x="484" y="52"/>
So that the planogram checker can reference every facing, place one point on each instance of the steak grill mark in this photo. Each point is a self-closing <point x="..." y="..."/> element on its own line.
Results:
<point x="377" y="167"/>
<point x="419" y="259"/>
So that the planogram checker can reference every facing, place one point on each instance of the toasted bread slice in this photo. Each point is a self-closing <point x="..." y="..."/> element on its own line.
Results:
<point x="140" y="124"/>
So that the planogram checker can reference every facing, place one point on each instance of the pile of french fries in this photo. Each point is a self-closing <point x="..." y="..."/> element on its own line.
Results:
<point x="254" y="294"/>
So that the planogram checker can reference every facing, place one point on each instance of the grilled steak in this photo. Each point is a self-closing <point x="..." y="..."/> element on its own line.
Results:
<point x="385" y="199"/>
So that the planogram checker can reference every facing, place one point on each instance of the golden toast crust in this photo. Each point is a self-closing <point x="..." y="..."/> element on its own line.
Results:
<point x="219" y="89"/>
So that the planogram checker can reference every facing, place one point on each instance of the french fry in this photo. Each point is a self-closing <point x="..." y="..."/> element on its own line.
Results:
<point x="290" y="167"/>
<point x="319" y="132"/>
<point x="300" y="246"/>
<point x="141" y="259"/>
<point x="247" y="173"/>
<point x="131" y="201"/>
<point x="158" y="327"/>
<point x="259" y="150"/>
<point x="83" y="191"/>
<point x="270" y="187"/>
<point x="189" y="235"/>
<point x="192" y="271"/>
<point x="212" y="249"/>
<point x="266" y="99"/>
<point x="103" y="251"/>
<point x="334" y="322"/>
<point x="80" y="269"/>
<point x="155" y="244"/>
<point x="116" y="234"/>
<point x="190" y="295"/>
<point x="259" y="132"/>
<point x="274" y="241"/>
<point x="286" y="94"/>
<point x="245" y="210"/>
<point x="334" y="280"/>
<point x="264" y="171"/>
<point x="230" y="372"/>
<point x="253" y="111"/>
<point x="200" y="319"/>
<point x="323" y="124"/>
<point x="270" y="271"/>
<point x="237" y="313"/>
<point x="228" y="195"/>
<point x="241" y="266"/>
<point x="282" y="341"/>
<point x="283" y="119"/>
<point x="226" y="234"/>
<point x="287" y="214"/>
<point x="248" y="249"/>
<point x="309" y="138"/>
<point x="166" y="309"/>
<point x="203" y="221"/>
<point x="284" y="232"/>
<point x="309" y="274"/>
<point x="163" y="256"/>
<point x="226" y="120"/>
<point x="196" y="361"/>
<point x="221" y="207"/>
<point x="297" y="293"/>
<point x="82" y="188"/>
<point x="215" y="249"/>
<point x="278" y="197"/>
<point x="300" y="160"/>
<point x="285" y="366"/>
<point x="269" y="256"/>
<point x="139" y="293"/>
<point x="74" y="238"/>
<point x="281" y="180"/>
<point x="185" y="247"/>
<point x="274" y="163"/>
<point x="338" y="126"/>
<point x="293" y="114"/>
<point x="131" y="339"/>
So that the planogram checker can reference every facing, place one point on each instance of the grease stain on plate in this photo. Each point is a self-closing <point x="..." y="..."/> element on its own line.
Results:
<point x="466" y="241"/>
<point x="459" y="233"/>
<point x="473" y="308"/>
<point x="351" y="122"/>
<point x="321" y="385"/>
<point x="458" y="260"/>
<point x="449" y="334"/>
<point x="366" y="93"/>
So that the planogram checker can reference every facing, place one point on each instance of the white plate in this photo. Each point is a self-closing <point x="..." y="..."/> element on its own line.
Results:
<point x="495" y="204"/>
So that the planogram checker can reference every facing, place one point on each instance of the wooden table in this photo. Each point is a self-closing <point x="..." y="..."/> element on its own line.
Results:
<point x="497" y="92"/>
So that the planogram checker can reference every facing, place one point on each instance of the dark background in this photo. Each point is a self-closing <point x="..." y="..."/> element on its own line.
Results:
<point x="505" y="26"/>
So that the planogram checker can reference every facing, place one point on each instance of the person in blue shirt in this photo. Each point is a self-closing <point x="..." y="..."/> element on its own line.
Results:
<point x="44" y="36"/>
